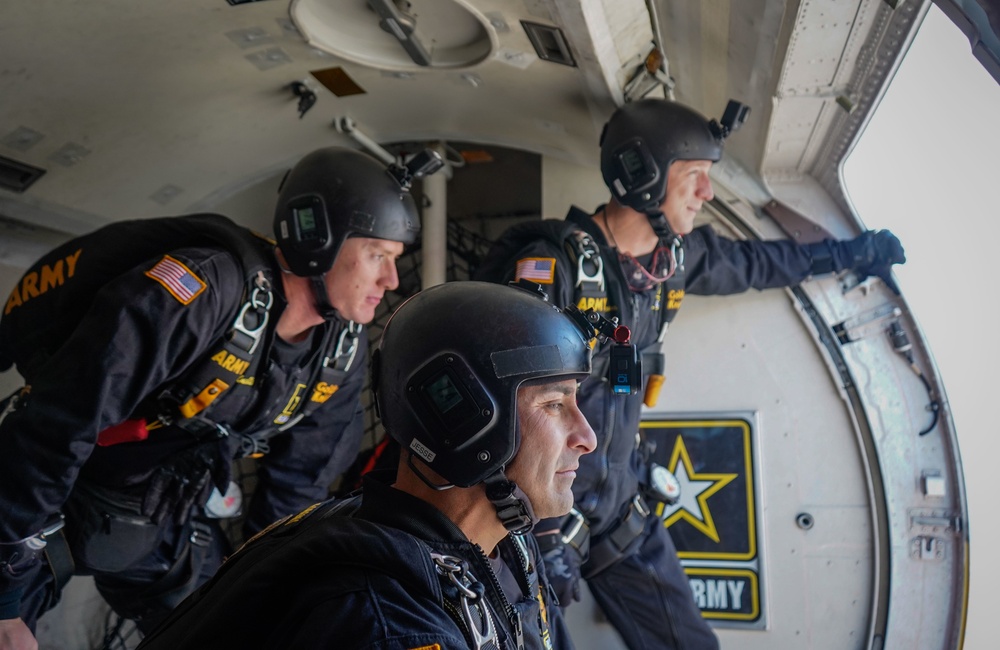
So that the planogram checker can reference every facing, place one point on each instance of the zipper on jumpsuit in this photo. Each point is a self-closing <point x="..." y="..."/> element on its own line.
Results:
<point x="512" y="614"/>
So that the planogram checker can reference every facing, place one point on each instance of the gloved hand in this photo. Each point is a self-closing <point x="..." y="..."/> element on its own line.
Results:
<point x="874" y="253"/>
<point x="183" y="480"/>
<point x="562" y="566"/>
<point x="871" y="253"/>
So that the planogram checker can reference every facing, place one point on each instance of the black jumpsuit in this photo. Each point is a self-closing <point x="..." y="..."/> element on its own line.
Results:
<point x="136" y="338"/>
<point x="644" y="591"/>
<point x="328" y="580"/>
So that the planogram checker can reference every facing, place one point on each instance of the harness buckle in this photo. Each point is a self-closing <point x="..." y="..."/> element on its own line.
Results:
<point x="483" y="632"/>
<point x="589" y="254"/>
<point x="201" y="535"/>
<point x="260" y="302"/>
<point x="677" y="255"/>
<point x="572" y="527"/>
<point x="640" y="506"/>
<point x="54" y="526"/>
<point x="347" y="347"/>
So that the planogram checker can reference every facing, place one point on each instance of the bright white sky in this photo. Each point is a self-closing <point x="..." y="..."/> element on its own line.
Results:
<point x="928" y="168"/>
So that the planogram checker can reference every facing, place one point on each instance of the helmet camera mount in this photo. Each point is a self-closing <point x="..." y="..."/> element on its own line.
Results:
<point x="733" y="117"/>
<point x="422" y="164"/>
<point x="625" y="369"/>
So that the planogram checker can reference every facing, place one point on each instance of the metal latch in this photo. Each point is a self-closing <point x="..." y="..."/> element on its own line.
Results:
<point x="927" y="548"/>
<point x="866" y="324"/>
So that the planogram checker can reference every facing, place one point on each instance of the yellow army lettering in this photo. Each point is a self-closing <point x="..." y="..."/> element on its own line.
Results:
<point x="597" y="304"/>
<point x="674" y="298"/>
<point x="230" y="362"/>
<point x="323" y="392"/>
<point x="36" y="283"/>
<point x="293" y="403"/>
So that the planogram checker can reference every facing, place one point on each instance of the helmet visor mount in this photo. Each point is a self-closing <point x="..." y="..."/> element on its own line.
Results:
<point x="448" y="393"/>
<point x="636" y="170"/>
<point x="307" y="231"/>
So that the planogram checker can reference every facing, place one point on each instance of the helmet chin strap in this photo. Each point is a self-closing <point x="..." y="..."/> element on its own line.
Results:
<point x="662" y="228"/>
<point x="323" y="306"/>
<point x="666" y="234"/>
<point x="512" y="504"/>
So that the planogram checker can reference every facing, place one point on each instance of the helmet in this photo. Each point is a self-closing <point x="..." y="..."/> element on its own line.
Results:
<point x="449" y="363"/>
<point x="644" y="137"/>
<point x="335" y="193"/>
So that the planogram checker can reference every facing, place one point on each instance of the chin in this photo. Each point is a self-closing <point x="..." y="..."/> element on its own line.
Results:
<point x="557" y="506"/>
<point x="362" y="316"/>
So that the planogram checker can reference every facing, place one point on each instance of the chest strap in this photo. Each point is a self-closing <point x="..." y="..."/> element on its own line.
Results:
<point x="326" y="381"/>
<point x="474" y="615"/>
<point x="233" y="360"/>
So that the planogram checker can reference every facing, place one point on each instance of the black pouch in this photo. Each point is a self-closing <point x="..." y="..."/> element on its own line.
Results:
<point x="106" y="530"/>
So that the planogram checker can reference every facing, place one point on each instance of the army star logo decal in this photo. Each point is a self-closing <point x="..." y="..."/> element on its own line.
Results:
<point x="695" y="491"/>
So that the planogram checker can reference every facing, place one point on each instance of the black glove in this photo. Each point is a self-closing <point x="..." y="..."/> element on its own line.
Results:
<point x="184" y="479"/>
<point x="871" y="253"/>
<point x="562" y="566"/>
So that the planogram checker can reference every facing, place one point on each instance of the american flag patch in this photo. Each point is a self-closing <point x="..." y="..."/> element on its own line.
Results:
<point x="177" y="279"/>
<point x="537" y="269"/>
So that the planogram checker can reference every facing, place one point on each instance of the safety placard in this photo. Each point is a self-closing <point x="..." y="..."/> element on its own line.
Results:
<point x="714" y="521"/>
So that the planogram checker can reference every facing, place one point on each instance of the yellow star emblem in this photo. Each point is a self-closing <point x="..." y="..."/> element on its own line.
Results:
<point x="695" y="492"/>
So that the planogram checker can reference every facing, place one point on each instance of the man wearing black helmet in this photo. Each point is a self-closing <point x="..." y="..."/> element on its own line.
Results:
<point x="157" y="351"/>
<point x="477" y="383"/>
<point x="635" y="258"/>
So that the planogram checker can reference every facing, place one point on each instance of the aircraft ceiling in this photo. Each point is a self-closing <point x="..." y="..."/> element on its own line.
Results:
<point x="143" y="109"/>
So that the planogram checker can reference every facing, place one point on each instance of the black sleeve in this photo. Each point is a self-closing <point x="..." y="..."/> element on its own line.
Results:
<point x="305" y="460"/>
<point x="718" y="266"/>
<point x="135" y="337"/>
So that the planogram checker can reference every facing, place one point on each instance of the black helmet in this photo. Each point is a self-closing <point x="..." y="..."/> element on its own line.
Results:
<point x="332" y="194"/>
<point x="448" y="366"/>
<point x="644" y="137"/>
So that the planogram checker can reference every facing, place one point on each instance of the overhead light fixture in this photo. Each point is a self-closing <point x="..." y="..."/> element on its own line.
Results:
<point x="549" y="43"/>
<point x="17" y="176"/>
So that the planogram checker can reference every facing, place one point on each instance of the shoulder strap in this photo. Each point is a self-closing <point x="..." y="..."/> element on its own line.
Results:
<point x="236" y="355"/>
<point x="473" y="613"/>
<point x="325" y="380"/>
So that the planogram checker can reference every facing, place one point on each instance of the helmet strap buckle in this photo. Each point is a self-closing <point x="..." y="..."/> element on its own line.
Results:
<point x="512" y="505"/>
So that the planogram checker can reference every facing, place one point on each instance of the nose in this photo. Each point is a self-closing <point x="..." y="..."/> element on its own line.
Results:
<point x="390" y="275"/>
<point x="704" y="190"/>
<point x="582" y="436"/>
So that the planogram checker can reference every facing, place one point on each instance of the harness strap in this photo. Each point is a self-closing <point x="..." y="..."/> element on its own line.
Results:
<point x="476" y="617"/>
<point x="589" y="266"/>
<point x="511" y="510"/>
<point x="57" y="553"/>
<point x="223" y="369"/>
<point x="612" y="545"/>
<point x="574" y="530"/>
<point x="325" y="382"/>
